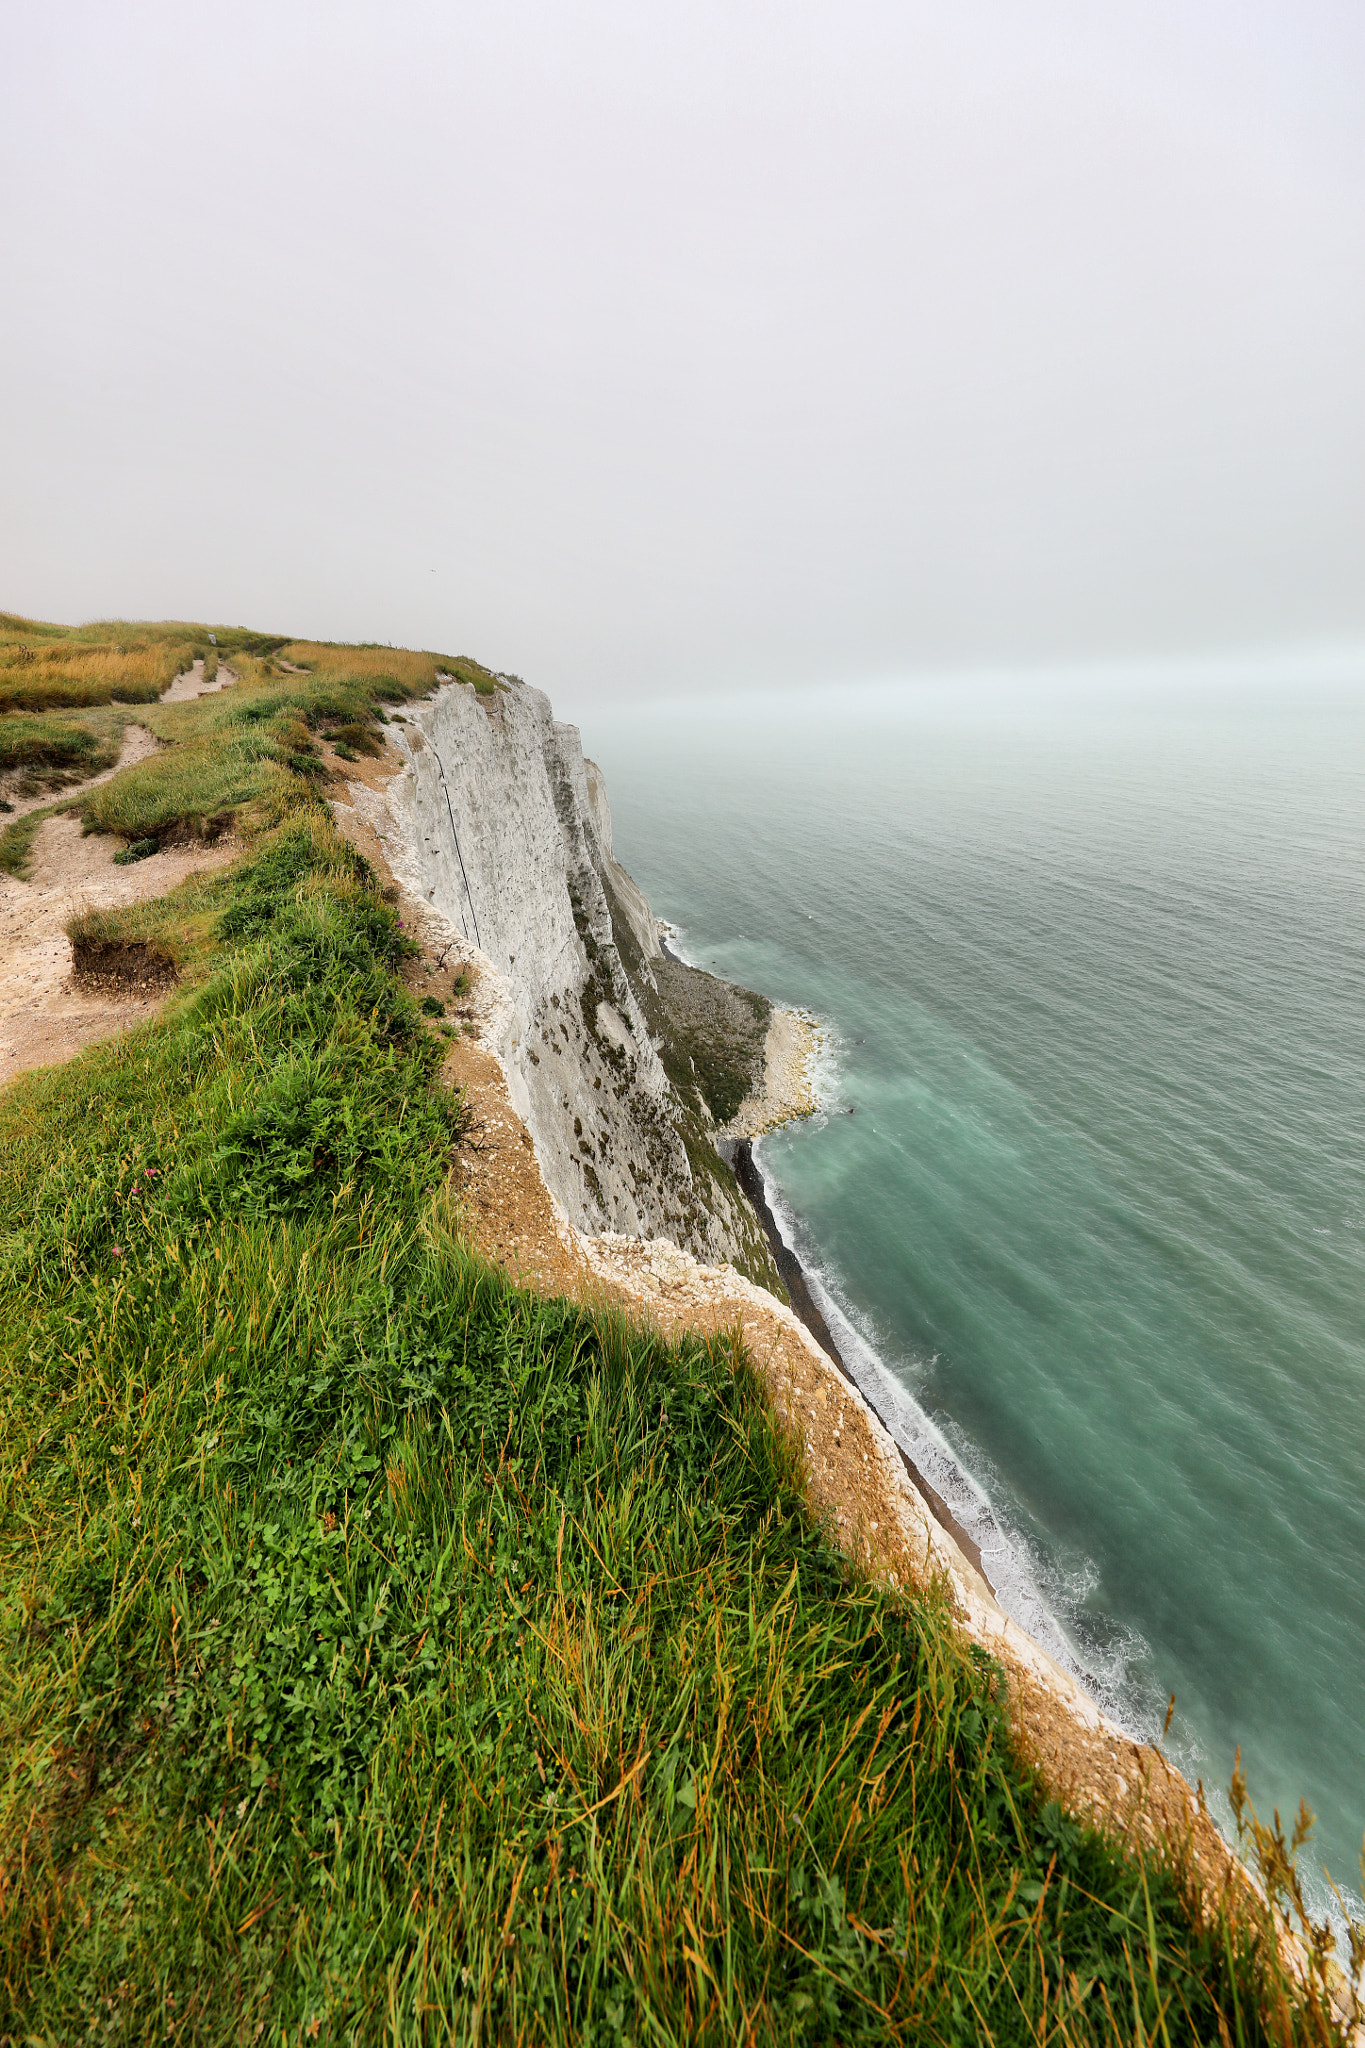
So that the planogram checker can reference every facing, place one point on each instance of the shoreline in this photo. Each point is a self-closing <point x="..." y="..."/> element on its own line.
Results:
<point x="806" y="1309"/>
<point x="787" y="1091"/>
<point x="788" y="1096"/>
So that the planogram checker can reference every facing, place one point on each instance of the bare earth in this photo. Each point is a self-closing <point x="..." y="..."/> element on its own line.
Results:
<point x="45" y="1015"/>
<point x="190" y="683"/>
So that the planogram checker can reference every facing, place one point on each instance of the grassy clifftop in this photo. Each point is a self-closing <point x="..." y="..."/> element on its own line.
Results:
<point x="390" y="1653"/>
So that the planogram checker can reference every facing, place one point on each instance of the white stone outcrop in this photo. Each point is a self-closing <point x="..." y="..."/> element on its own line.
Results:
<point x="504" y="830"/>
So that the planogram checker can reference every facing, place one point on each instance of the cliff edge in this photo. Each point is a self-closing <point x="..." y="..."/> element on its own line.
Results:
<point x="504" y="831"/>
<point x="394" y="1644"/>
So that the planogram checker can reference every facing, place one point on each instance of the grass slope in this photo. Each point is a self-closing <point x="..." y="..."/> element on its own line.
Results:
<point x="243" y="755"/>
<point x="45" y="667"/>
<point x="38" y="742"/>
<point x="389" y="1654"/>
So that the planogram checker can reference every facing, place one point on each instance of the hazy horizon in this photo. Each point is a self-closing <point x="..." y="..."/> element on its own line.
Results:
<point x="656" y="353"/>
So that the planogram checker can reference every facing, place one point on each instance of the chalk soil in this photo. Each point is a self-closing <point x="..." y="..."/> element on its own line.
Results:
<point x="46" y="1014"/>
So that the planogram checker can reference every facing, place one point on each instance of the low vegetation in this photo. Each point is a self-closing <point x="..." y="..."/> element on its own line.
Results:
<point x="35" y="742"/>
<point x="45" y="667"/>
<point x="16" y="841"/>
<point x="241" y="756"/>
<point x="389" y="1653"/>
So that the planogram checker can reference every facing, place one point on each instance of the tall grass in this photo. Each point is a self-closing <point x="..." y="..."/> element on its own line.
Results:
<point x="392" y="672"/>
<point x="199" y="785"/>
<point x="389" y="1654"/>
<point x="38" y="742"/>
<point x="66" y="675"/>
<point x="14" y="627"/>
<point x="44" y="667"/>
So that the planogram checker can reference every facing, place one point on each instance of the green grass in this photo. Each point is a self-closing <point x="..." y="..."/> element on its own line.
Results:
<point x="35" y="741"/>
<point x="248" y="750"/>
<point x="136" y="850"/>
<point x="16" y="840"/>
<point x="245" y="755"/>
<point x="392" y="1655"/>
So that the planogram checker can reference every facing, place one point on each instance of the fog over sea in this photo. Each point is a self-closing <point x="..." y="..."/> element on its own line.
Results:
<point x="1088" y="1187"/>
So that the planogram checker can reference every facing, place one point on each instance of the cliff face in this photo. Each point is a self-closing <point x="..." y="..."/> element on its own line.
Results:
<point x="508" y="835"/>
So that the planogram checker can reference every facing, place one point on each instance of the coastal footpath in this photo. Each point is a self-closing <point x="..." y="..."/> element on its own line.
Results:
<point x="451" y="1589"/>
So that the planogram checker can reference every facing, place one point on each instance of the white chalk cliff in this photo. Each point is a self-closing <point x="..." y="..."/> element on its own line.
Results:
<point x="507" y="835"/>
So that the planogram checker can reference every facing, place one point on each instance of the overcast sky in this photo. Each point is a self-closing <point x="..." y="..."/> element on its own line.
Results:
<point x="638" y="347"/>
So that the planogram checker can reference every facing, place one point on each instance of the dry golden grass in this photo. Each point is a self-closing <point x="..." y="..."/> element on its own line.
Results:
<point x="45" y="667"/>
<point x="414" y="672"/>
<point x="64" y="672"/>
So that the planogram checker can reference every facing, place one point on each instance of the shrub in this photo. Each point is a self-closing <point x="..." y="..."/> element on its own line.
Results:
<point x="141" y="849"/>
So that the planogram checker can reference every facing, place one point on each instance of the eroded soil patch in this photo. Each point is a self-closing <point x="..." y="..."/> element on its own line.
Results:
<point x="131" y="967"/>
<point x="48" y="1011"/>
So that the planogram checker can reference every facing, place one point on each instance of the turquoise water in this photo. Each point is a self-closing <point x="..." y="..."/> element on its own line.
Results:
<point x="1088" y="1190"/>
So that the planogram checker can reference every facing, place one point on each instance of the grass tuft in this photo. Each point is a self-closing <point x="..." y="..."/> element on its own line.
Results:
<point x="34" y="741"/>
<point x="17" y="841"/>
<point x="141" y="849"/>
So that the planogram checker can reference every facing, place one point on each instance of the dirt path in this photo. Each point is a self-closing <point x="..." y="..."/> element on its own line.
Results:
<point x="190" y="683"/>
<point x="45" y="1014"/>
<point x="138" y="743"/>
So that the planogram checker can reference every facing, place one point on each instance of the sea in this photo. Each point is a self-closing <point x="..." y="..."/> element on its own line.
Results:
<point x="1085" y="1196"/>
